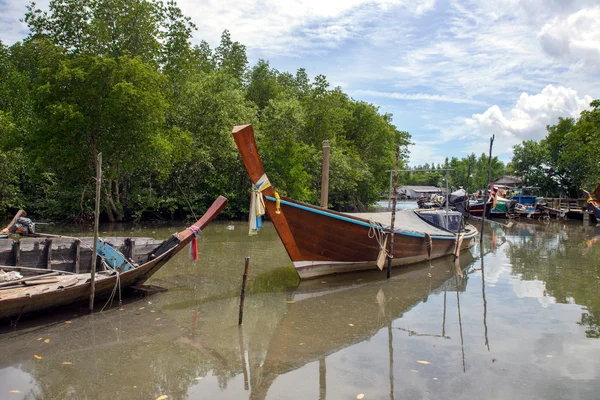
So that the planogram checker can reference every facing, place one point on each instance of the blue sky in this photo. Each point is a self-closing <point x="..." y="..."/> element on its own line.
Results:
<point x="451" y="72"/>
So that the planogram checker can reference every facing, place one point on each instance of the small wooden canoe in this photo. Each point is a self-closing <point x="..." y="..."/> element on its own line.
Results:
<point x="69" y="287"/>
<point x="321" y="241"/>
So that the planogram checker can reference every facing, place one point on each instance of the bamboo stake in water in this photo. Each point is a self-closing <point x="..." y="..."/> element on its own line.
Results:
<point x="325" y="174"/>
<point x="96" y="220"/>
<point x="394" y="198"/>
<point x="487" y="186"/>
<point x="243" y="294"/>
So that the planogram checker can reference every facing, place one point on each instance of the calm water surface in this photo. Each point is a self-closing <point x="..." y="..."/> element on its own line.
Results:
<point x="521" y="322"/>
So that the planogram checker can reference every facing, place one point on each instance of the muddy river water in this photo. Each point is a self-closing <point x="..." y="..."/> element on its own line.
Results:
<point x="517" y="318"/>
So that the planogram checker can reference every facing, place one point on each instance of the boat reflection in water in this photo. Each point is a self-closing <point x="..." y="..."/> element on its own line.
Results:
<point x="324" y="318"/>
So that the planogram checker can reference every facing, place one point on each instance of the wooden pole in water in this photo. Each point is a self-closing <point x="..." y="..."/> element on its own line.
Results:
<point x="322" y="379"/>
<point x="325" y="174"/>
<point x="394" y="198"/>
<point x="487" y="186"/>
<point x="96" y="220"/>
<point x="243" y="294"/>
<point x="391" y="188"/>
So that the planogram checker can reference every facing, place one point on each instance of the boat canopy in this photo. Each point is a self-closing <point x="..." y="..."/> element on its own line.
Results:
<point x="406" y="221"/>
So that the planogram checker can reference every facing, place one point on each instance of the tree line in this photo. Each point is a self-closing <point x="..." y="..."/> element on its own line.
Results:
<point x="469" y="173"/>
<point x="122" y="77"/>
<point x="567" y="159"/>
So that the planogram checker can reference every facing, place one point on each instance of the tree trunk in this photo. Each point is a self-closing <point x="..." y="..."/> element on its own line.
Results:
<point x="107" y="205"/>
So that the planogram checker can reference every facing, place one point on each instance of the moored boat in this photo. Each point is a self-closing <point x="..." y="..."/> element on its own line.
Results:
<point x="65" y="282"/>
<point x="592" y="205"/>
<point x="320" y="241"/>
<point x="478" y="208"/>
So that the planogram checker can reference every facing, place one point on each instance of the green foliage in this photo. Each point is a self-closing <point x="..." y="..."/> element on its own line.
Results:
<point x="469" y="172"/>
<point x="122" y="78"/>
<point x="567" y="159"/>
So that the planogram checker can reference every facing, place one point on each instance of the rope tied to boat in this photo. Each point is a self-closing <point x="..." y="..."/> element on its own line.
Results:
<point x="377" y="232"/>
<point x="257" y="205"/>
<point x="112" y="295"/>
<point x="194" y="243"/>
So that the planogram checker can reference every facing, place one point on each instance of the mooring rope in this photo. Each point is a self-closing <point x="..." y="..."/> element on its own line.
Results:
<point x="112" y="295"/>
<point x="377" y="232"/>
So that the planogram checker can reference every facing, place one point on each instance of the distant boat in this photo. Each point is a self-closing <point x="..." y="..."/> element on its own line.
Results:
<point x="321" y="241"/>
<point x="476" y="208"/>
<point x="52" y="266"/>
<point x="592" y="205"/>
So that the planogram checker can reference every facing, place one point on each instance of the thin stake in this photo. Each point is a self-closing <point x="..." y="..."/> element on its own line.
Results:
<point x="394" y="198"/>
<point x="325" y="174"/>
<point x="487" y="186"/>
<point x="243" y="358"/>
<point x="462" y="343"/>
<point x="243" y="294"/>
<point x="322" y="379"/>
<point x="487" y="342"/>
<point x="391" y="353"/>
<point x="96" y="220"/>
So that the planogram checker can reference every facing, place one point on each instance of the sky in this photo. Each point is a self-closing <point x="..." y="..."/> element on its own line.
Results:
<point x="451" y="72"/>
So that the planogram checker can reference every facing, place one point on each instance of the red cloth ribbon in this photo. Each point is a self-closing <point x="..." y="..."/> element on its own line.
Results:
<point x="194" y="244"/>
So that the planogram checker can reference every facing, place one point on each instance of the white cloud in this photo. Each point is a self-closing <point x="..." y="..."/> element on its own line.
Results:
<point x="11" y="29"/>
<point x="416" y="97"/>
<point x="528" y="119"/>
<point x="576" y="37"/>
<point x="291" y="28"/>
<point x="422" y="152"/>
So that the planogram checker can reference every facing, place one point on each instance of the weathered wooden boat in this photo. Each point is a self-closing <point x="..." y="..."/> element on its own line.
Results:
<point x="477" y="208"/>
<point x="54" y="267"/>
<point x="320" y="241"/>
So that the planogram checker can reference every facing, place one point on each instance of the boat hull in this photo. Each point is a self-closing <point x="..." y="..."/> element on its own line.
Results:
<point x="13" y="307"/>
<point x="595" y="210"/>
<point x="477" y="210"/>
<point x="18" y="301"/>
<point x="329" y="244"/>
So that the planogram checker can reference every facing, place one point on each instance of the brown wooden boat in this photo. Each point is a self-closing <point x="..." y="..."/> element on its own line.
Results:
<point x="61" y="282"/>
<point x="477" y="209"/>
<point x="321" y="241"/>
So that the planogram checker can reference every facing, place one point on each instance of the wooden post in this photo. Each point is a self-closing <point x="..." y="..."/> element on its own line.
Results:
<point x="243" y="358"/>
<point x="243" y="294"/>
<point x="325" y="174"/>
<point x="96" y="220"/>
<point x="17" y="252"/>
<point x="394" y="198"/>
<point x="391" y="188"/>
<point x="391" y="353"/>
<point x="487" y="186"/>
<point x="48" y="247"/>
<point x="322" y="379"/>
<point x="77" y="256"/>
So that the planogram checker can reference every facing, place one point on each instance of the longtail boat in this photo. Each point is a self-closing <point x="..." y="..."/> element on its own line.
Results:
<point x="592" y="205"/>
<point x="62" y="280"/>
<point x="320" y="241"/>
